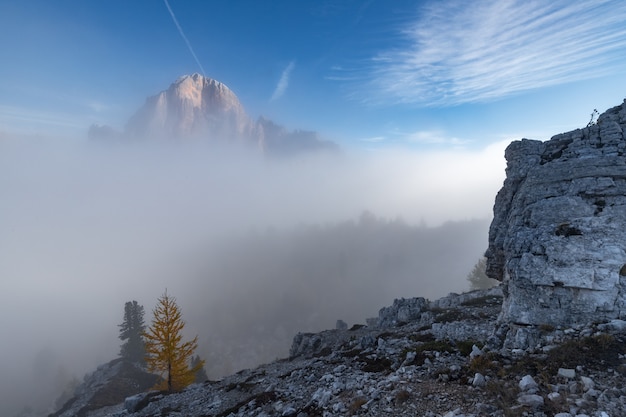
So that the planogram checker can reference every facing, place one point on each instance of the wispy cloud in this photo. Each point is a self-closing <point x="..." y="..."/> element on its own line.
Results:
<point x="433" y="137"/>
<point x="374" y="139"/>
<point x="182" y="34"/>
<point x="97" y="106"/>
<point x="283" y="83"/>
<point x="34" y="120"/>
<point x="459" y="52"/>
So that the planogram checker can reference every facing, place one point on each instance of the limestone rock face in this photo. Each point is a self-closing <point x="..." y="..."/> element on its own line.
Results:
<point x="558" y="237"/>
<point x="193" y="107"/>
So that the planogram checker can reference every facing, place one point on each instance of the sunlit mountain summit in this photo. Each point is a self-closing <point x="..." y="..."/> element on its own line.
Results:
<point x="195" y="108"/>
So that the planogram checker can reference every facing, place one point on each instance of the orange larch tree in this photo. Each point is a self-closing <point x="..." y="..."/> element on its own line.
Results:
<point x="166" y="353"/>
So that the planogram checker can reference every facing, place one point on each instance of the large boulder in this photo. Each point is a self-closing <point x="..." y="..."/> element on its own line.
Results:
<point x="558" y="237"/>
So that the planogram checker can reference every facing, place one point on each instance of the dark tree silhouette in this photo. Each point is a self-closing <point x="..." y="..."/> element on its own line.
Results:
<point x="197" y="363"/>
<point x="131" y="332"/>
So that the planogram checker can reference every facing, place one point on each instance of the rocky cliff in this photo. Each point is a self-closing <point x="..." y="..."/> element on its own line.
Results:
<point x="558" y="237"/>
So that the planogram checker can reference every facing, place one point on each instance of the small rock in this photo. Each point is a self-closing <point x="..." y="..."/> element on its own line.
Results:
<point x="587" y="383"/>
<point x="479" y="380"/>
<point x="591" y="394"/>
<point x="288" y="411"/>
<point x="339" y="369"/>
<point x="527" y="383"/>
<point x="614" y="325"/>
<point x="530" y="400"/>
<point x="573" y="387"/>
<point x="563" y="415"/>
<point x="410" y="358"/>
<point x="554" y="396"/>
<point x="322" y="397"/>
<point x="339" y="407"/>
<point x="341" y="325"/>
<point x="567" y="373"/>
<point x="476" y="351"/>
<point x="131" y="404"/>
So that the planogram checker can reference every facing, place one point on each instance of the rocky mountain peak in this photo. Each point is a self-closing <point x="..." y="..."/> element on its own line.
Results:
<point x="204" y="92"/>
<point x="201" y="109"/>
<point x="557" y="237"/>
<point x="193" y="107"/>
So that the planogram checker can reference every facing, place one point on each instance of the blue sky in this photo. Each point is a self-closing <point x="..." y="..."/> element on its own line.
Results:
<point x="367" y="74"/>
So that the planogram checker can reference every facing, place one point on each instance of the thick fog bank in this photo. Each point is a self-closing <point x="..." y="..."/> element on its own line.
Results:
<point x="85" y="227"/>
<point x="254" y="293"/>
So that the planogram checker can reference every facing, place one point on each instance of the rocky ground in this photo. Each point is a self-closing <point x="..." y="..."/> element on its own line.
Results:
<point x="418" y="358"/>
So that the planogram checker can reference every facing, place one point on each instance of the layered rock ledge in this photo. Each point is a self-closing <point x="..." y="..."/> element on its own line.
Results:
<point x="558" y="237"/>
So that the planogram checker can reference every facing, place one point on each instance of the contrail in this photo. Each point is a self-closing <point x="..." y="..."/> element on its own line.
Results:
<point x="180" y="30"/>
<point x="283" y="82"/>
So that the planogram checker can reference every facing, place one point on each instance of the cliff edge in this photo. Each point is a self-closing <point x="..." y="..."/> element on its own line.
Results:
<point x="558" y="238"/>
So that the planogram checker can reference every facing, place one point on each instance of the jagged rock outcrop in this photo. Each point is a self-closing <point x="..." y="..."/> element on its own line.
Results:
<point x="454" y="318"/>
<point x="558" y="237"/>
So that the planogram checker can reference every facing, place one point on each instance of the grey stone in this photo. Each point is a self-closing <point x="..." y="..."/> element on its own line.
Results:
<point x="288" y="411"/>
<point x="479" y="380"/>
<point x="131" y="404"/>
<point x="402" y="311"/>
<point x="556" y="239"/>
<point x="530" y="400"/>
<point x="567" y="373"/>
<point x="588" y="383"/>
<point x="476" y="351"/>
<point x="554" y="396"/>
<point x="527" y="383"/>
<point x="616" y="326"/>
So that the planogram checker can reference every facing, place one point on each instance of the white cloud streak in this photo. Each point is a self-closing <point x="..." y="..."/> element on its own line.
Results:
<point x="460" y="52"/>
<point x="433" y="137"/>
<point x="182" y="34"/>
<point x="27" y="120"/>
<point x="283" y="83"/>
